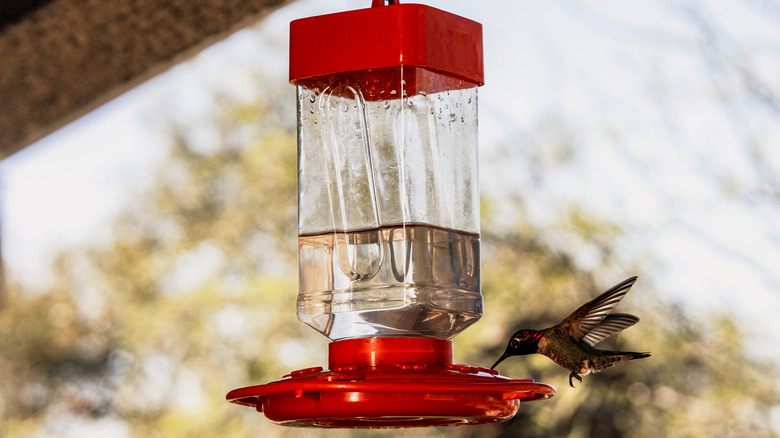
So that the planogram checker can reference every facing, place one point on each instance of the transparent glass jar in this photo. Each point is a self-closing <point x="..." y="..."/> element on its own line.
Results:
<point x="388" y="202"/>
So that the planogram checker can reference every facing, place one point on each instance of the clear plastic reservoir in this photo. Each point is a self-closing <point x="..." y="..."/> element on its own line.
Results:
<point x="388" y="204"/>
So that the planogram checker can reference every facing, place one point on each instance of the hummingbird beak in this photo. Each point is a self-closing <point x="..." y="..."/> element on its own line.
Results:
<point x="501" y="359"/>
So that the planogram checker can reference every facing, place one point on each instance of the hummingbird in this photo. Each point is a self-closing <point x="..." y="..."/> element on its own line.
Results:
<point x="570" y="344"/>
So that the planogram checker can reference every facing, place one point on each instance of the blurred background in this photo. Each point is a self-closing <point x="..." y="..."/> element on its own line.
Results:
<point x="150" y="246"/>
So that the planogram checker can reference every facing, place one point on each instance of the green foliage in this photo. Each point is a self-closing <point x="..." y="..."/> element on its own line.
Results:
<point x="699" y="382"/>
<point x="195" y="296"/>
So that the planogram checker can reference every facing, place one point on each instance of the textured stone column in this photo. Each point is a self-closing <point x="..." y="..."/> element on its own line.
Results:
<point x="67" y="57"/>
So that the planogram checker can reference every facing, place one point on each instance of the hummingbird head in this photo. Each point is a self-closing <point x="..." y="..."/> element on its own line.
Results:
<point x="525" y="341"/>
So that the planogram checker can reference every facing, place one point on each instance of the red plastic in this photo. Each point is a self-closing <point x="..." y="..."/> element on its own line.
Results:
<point x="386" y="36"/>
<point x="387" y="83"/>
<point x="390" y="382"/>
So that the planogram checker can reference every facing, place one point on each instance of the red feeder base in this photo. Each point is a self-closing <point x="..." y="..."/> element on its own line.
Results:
<point x="390" y="382"/>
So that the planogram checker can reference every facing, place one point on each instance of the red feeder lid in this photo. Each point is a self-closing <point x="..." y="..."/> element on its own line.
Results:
<point x="386" y="36"/>
<point x="390" y="382"/>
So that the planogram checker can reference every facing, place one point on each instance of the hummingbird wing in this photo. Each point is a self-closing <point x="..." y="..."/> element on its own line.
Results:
<point x="591" y="314"/>
<point x="610" y="325"/>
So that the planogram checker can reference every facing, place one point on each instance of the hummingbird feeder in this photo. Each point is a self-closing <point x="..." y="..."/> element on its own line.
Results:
<point x="388" y="246"/>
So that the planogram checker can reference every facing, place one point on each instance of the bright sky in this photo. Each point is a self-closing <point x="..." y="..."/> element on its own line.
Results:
<point x="60" y="191"/>
<point x="624" y="82"/>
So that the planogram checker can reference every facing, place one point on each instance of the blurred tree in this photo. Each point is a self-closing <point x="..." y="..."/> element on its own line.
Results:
<point x="699" y="381"/>
<point x="196" y="296"/>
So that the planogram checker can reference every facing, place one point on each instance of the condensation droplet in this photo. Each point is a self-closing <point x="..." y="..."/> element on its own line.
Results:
<point x="392" y="92"/>
<point x="312" y="98"/>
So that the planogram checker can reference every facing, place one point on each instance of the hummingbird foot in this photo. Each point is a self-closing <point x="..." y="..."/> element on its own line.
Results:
<point x="575" y="376"/>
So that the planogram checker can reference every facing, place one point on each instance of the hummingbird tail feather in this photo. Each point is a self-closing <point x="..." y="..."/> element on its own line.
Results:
<point x="621" y="356"/>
